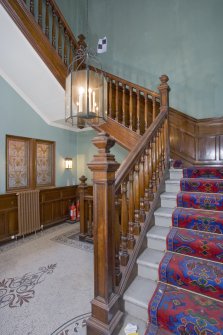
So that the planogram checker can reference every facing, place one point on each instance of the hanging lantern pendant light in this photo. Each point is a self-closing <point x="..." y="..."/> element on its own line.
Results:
<point x="86" y="90"/>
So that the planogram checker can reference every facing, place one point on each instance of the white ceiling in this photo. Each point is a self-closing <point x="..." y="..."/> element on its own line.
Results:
<point x="25" y="71"/>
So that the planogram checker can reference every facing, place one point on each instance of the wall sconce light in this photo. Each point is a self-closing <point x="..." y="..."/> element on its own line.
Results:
<point x="68" y="163"/>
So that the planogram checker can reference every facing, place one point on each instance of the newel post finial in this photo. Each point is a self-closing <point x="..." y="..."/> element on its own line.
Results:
<point x="106" y="315"/>
<point x="164" y="93"/>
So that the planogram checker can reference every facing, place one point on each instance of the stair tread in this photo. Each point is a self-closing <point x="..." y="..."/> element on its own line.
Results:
<point x="169" y="195"/>
<point x="158" y="232"/>
<point x="173" y="181"/>
<point x="176" y="170"/>
<point x="150" y="257"/>
<point x="164" y="211"/>
<point x="140" y="291"/>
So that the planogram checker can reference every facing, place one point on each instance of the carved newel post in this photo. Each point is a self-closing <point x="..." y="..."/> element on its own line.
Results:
<point x="164" y="93"/>
<point x="106" y="316"/>
<point x="164" y="106"/>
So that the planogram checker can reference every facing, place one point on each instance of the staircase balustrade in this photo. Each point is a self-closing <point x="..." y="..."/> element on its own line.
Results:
<point x="123" y="204"/>
<point x="131" y="105"/>
<point x="53" y="24"/>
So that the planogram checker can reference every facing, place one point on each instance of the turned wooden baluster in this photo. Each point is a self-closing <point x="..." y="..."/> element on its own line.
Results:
<point x="154" y="165"/>
<point x="130" y="109"/>
<point x="142" y="215"/>
<point x="118" y="273"/>
<point x="117" y="107"/>
<point x="167" y="145"/>
<point x="31" y="6"/>
<point x="60" y="38"/>
<point x="40" y="13"/>
<point x="131" y="238"/>
<point x="124" y="113"/>
<point x="47" y="19"/>
<point x="163" y="146"/>
<point x="147" y="178"/>
<point x="146" y="111"/>
<point x="66" y="41"/>
<point x="154" y="107"/>
<point x="54" y="29"/>
<point x="106" y="316"/>
<point x="138" y="112"/>
<point x="124" y="256"/>
<point x="112" y="108"/>
<point x="71" y="52"/>
<point x="150" y="158"/>
<point x="157" y="158"/>
<point x="137" y="227"/>
<point x="82" y="188"/>
<point x="160" y="153"/>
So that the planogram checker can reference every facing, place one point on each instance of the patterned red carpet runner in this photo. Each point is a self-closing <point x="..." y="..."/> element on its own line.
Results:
<point x="201" y="185"/>
<point x="196" y="219"/>
<point x="189" y="297"/>
<point x="203" y="172"/>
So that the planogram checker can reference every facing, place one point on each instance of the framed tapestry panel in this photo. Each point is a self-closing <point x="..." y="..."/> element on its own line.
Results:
<point x="44" y="163"/>
<point x="18" y="163"/>
<point x="30" y="163"/>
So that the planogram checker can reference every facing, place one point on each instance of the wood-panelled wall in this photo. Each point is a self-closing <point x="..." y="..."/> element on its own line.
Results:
<point x="54" y="208"/>
<point x="196" y="142"/>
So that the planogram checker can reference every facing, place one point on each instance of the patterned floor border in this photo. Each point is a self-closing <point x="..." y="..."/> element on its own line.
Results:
<point x="71" y="239"/>
<point x="75" y="326"/>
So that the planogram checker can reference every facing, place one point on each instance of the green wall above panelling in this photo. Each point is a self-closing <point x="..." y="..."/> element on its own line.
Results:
<point x="18" y="118"/>
<point x="182" y="38"/>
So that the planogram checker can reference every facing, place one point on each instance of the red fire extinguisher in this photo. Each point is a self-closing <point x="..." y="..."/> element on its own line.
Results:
<point x="73" y="212"/>
<point x="78" y="210"/>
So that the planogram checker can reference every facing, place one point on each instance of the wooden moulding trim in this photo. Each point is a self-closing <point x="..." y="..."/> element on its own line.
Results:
<point x="139" y="148"/>
<point x="32" y="31"/>
<point x="214" y="120"/>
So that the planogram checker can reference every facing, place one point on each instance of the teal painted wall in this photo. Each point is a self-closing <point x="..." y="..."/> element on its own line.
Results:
<point x="146" y="38"/>
<point x="86" y="150"/>
<point x="18" y="118"/>
<point x="182" y="38"/>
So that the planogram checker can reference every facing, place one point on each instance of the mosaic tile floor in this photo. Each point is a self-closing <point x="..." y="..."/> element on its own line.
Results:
<point x="45" y="286"/>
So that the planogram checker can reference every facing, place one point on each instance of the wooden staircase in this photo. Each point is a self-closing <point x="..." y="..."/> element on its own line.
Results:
<point x="124" y="198"/>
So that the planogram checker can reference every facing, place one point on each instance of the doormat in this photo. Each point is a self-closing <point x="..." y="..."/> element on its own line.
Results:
<point x="72" y="239"/>
<point x="75" y="326"/>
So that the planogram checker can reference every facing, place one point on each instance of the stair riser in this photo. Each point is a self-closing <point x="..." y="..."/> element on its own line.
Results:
<point x="138" y="311"/>
<point x="166" y="202"/>
<point x="156" y="244"/>
<point x="173" y="187"/>
<point x="176" y="174"/>
<point x="148" y="272"/>
<point x="162" y="221"/>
